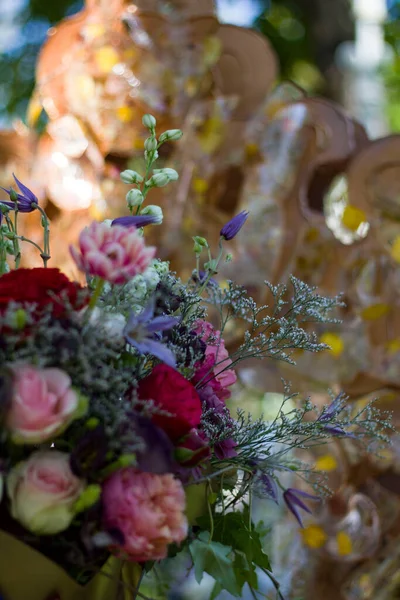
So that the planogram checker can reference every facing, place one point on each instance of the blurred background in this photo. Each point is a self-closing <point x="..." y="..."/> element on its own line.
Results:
<point x="348" y="50"/>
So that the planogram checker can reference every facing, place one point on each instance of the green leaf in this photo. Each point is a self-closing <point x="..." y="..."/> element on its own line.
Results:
<point x="245" y="571"/>
<point x="217" y="589"/>
<point x="216" y="560"/>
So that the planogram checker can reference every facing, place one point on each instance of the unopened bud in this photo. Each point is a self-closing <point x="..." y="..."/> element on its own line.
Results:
<point x="149" y="122"/>
<point x="201" y="241"/>
<point x="155" y="211"/>
<point x="130" y="176"/>
<point x="228" y="258"/>
<point x="172" y="135"/>
<point x="158" y="180"/>
<point x="13" y="195"/>
<point x="172" y="174"/>
<point x="150" y="144"/>
<point x="134" y="198"/>
<point x="19" y="319"/>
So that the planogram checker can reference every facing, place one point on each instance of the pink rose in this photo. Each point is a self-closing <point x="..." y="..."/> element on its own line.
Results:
<point x="217" y="358"/>
<point x="43" y="404"/>
<point x="43" y="491"/>
<point x="115" y="254"/>
<point x="148" y="509"/>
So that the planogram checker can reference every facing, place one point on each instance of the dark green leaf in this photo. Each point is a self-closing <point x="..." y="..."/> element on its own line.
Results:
<point x="216" y="560"/>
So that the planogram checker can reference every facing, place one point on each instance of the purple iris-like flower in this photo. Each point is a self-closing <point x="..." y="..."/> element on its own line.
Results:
<point x="269" y="486"/>
<point x="135" y="221"/>
<point x="142" y="332"/>
<point x="333" y="409"/>
<point x="26" y="200"/>
<point x="201" y="276"/>
<point x="232" y="227"/>
<point x="292" y="498"/>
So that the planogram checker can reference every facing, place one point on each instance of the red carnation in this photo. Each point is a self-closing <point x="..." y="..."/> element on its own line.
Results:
<point x="42" y="287"/>
<point x="171" y="392"/>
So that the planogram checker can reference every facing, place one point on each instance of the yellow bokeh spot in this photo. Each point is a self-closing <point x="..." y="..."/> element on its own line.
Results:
<point x="274" y="107"/>
<point x="224" y="285"/>
<point x="212" y="50"/>
<point x="353" y="217"/>
<point x="93" y="31"/>
<point x="125" y="113"/>
<point x="326" y="463"/>
<point x="393" y="346"/>
<point x="85" y="87"/>
<point x="211" y="134"/>
<point x="375" y="311"/>
<point x="334" y="341"/>
<point x="130" y="54"/>
<point x="395" y="249"/>
<point x="344" y="543"/>
<point x="314" y="536"/>
<point x="188" y="224"/>
<point x="312" y="235"/>
<point x="200" y="186"/>
<point x="191" y="86"/>
<point x="106" y="59"/>
<point x="252" y="150"/>
<point x="34" y="112"/>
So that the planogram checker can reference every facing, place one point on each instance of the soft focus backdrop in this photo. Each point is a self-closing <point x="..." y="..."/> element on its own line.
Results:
<point x="308" y="36"/>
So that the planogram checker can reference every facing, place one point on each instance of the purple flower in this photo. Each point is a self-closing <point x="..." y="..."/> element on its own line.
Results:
<point x="157" y="456"/>
<point x="135" y="221"/>
<point x="269" y="486"/>
<point x="141" y="331"/>
<point x="26" y="200"/>
<point x="225" y="449"/>
<point x="333" y="409"/>
<point x="210" y="399"/>
<point x="201" y="276"/>
<point x="232" y="227"/>
<point x="294" y="502"/>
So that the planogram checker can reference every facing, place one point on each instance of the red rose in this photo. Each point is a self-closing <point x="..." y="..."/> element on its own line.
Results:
<point x="171" y="392"/>
<point x="42" y="287"/>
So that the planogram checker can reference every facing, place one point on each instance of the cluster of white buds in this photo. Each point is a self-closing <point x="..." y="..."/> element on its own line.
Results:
<point x="157" y="178"/>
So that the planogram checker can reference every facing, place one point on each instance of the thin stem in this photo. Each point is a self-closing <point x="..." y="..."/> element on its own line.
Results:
<point x="208" y="491"/>
<point x="24" y="239"/>
<point x="17" y="251"/>
<point x="46" y="236"/>
<point x="3" y="255"/>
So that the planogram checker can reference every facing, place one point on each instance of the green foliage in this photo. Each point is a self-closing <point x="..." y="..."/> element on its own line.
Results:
<point x="233" y="554"/>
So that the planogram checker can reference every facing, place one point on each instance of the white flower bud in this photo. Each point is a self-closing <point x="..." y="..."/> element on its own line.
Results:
<point x="171" y="135"/>
<point x="161" y="266"/>
<point x="158" y="180"/>
<point x="171" y="173"/>
<point x="130" y="176"/>
<point x="152" y="278"/>
<point x="107" y="222"/>
<point x="155" y="211"/>
<point x="134" y="198"/>
<point x="149" y="122"/>
<point x="150" y="144"/>
<point x="136" y="289"/>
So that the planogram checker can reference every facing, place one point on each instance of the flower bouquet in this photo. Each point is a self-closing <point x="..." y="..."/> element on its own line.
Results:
<point x="117" y="446"/>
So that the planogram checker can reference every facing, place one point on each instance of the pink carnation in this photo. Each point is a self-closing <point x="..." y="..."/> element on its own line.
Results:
<point x="217" y="359"/>
<point x="148" y="509"/>
<point x="116" y="254"/>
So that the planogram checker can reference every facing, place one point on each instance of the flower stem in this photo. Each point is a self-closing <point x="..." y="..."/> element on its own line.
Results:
<point x="46" y="236"/>
<point x="96" y="294"/>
